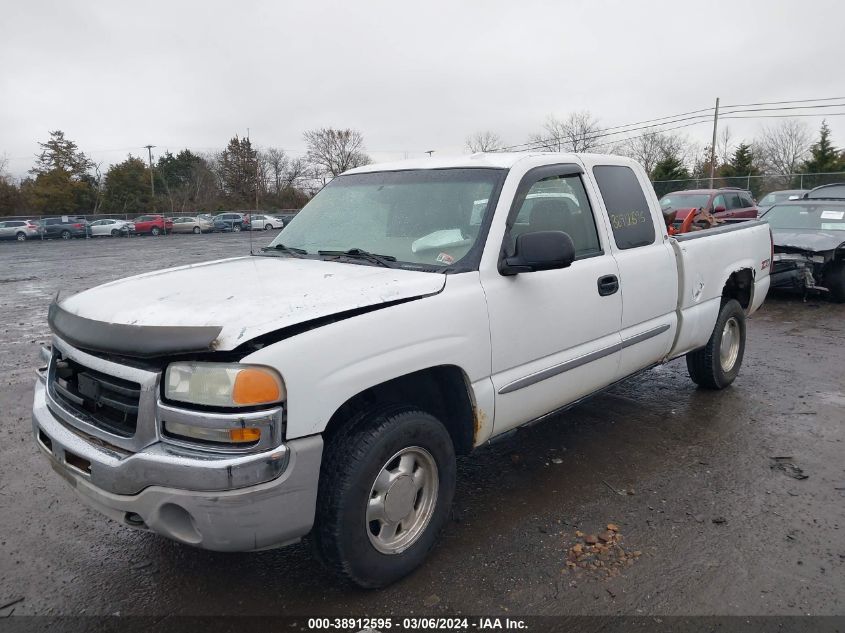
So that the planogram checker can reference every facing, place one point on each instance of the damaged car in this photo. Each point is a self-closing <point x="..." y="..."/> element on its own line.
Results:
<point x="809" y="245"/>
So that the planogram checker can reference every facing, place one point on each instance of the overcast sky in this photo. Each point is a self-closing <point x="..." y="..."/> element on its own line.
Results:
<point x="411" y="76"/>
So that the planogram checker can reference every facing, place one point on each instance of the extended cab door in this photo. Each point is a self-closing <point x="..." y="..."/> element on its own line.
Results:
<point x="648" y="274"/>
<point x="554" y="333"/>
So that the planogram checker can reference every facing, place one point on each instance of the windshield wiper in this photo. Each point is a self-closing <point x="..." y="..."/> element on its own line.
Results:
<point x="290" y="250"/>
<point x="359" y="253"/>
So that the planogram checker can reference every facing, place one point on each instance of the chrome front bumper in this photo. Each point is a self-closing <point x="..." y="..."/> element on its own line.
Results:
<point x="239" y="502"/>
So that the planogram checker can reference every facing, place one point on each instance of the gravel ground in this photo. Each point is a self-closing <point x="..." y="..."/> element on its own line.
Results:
<point x="709" y="523"/>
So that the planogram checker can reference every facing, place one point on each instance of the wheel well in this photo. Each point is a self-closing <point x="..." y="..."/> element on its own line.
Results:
<point x="442" y="391"/>
<point x="739" y="286"/>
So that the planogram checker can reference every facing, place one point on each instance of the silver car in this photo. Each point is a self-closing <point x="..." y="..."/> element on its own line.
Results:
<point x="265" y="223"/>
<point x="20" y="230"/>
<point x="188" y="224"/>
<point x="109" y="226"/>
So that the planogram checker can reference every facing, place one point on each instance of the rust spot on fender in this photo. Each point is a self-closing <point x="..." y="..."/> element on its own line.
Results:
<point x="479" y="419"/>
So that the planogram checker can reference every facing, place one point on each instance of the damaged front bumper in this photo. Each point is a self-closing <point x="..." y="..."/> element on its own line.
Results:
<point x="216" y="501"/>
<point x="797" y="271"/>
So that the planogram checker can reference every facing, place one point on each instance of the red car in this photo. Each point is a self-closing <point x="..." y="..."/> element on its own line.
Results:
<point x="727" y="203"/>
<point x="153" y="224"/>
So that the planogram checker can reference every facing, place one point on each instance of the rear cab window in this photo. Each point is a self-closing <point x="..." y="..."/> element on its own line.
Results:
<point x="627" y="207"/>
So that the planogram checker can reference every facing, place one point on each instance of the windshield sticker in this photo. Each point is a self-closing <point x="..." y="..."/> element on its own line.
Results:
<point x="833" y="215"/>
<point x="445" y="258"/>
<point x="833" y="226"/>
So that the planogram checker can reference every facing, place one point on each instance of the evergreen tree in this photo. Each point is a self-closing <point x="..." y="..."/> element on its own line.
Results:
<point x="62" y="184"/>
<point x="127" y="187"/>
<point x="740" y="169"/>
<point x="824" y="157"/>
<point x="238" y="164"/>
<point x="669" y="168"/>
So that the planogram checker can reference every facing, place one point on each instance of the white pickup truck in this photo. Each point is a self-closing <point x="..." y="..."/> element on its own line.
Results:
<point x="408" y="314"/>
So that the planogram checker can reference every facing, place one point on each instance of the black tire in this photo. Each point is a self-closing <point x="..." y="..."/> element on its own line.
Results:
<point x="114" y="233"/>
<point x="20" y="236"/>
<point x="236" y="228"/>
<point x="197" y="230"/>
<point x="66" y="235"/>
<point x="267" y="227"/>
<point x="835" y="282"/>
<point x="155" y="231"/>
<point x="352" y="460"/>
<point x="706" y="366"/>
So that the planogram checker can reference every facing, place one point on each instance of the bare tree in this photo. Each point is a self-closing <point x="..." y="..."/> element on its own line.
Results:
<point x="4" y="164"/>
<point x="277" y="164"/>
<point x="485" y="141"/>
<point x="724" y="146"/>
<point x="295" y="171"/>
<point x="783" y="147"/>
<point x="333" y="151"/>
<point x="579" y="132"/>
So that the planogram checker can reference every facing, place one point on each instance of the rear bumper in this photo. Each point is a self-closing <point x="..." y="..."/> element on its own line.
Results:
<point x="270" y="514"/>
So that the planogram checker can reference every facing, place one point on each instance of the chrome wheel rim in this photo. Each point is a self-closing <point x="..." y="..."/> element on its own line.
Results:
<point x="402" y="500"/>
<point x="729" y="348"/>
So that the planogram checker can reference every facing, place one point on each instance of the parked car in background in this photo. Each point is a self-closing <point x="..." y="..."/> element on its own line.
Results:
<point x="235" y="222"/>
<point x="187" y="224"/>
<point x="208" y="218"/>
<point x="285" y="216"/>
<point x="809" y="244"/>
<point x="773" y="197"/>
<point x="726" y="203"/>
<point x="154" y="224"/>
<point x="265" y="222"/>
<point x="65" y="227"/>
<point x="20" y="230"/>
<point x="112" y="227"/>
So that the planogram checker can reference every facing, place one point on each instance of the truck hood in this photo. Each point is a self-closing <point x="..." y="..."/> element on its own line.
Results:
<point x="813" y="240"/>
<point x="221" y="304"/>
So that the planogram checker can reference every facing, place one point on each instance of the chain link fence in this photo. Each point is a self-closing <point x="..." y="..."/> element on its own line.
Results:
<point x="758" y="185"/>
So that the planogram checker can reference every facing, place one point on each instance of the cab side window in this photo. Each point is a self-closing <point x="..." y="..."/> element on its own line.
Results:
<point x="627" y="207"/>
<point x="559" y="203"/>
<point x="719" y="201"/>
<point x="734" y="202"/>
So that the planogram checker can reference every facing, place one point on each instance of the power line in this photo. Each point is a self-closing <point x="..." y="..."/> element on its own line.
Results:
<point x="743" y="105"/>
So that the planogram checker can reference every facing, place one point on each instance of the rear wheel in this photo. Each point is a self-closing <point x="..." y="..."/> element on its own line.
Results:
<point x="716" y="365"/>
<point x="155" y="231"/>
<point x="115" y="233"/>
<point x="835" y="282"/>
<point x="20" y="236"/>
<point x="66" y="235"/>
<point x="386" y="488"/>
<point x="197" y="230"/>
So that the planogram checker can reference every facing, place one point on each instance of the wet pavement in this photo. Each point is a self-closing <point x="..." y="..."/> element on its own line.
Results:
<point x="704" y="489"/>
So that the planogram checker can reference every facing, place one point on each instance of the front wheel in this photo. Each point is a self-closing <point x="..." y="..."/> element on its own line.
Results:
<point x="66" y="235"/>
<point x="155" y="231"/>
<point x="20" y="236"/>
<point x="716" y="365"/>
<point x="236" y="228"/>
<point x="114" y="233"/>
<point x="197" y="230"/>
<point x="385" y="492"/>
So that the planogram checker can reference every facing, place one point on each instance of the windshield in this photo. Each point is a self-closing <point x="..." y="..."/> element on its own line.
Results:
<point x="684" y="200"/>
<point x="802" y="217"/>
<point x="779" y="196"/>
<point x="431" y="217"/>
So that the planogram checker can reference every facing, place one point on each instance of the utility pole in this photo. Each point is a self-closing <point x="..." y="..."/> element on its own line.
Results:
<point x="429" y="152"/>
<point x="152" y="182"/>
<point x="713" y="144"/>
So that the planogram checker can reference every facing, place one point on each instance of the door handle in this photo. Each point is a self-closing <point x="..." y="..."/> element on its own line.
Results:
<point x="608" y="285"/>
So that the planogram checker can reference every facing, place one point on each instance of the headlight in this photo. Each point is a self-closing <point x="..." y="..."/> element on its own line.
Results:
<point x="223" y="385"/>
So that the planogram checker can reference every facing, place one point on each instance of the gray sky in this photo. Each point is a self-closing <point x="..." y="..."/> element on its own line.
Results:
<point x="411" y="76"/>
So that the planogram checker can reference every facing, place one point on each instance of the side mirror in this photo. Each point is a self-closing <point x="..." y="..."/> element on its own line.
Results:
<point x="720" y="209"/>
<point x="539" y="250"/>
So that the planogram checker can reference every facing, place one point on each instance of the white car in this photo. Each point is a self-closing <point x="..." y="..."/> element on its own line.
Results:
<point x="265" y="223"/>
<point x="111" y="227"/>
<point x="326" y="384"/>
